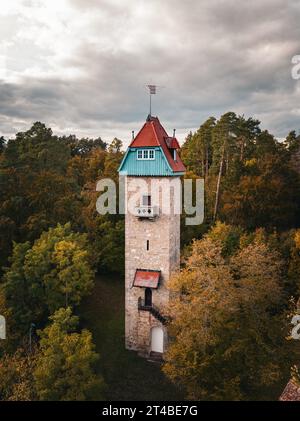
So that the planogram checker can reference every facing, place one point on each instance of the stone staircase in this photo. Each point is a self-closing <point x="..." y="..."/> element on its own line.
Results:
<point x="153" y="310"/>
<point x="156" y="313"/>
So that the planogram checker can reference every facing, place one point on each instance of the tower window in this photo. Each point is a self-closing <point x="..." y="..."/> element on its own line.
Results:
<point x="145" y="154"/>
<point x="148" y="297"/>
<point x="146" y="200"/>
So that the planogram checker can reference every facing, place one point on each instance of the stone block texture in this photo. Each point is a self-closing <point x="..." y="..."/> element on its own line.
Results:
<point x="163" y="233"/>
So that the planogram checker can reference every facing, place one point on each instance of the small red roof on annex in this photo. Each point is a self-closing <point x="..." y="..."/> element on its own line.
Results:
<point x="146" y="278"/>
<point x="153" y="134"/>
<point x="172" y="143"/>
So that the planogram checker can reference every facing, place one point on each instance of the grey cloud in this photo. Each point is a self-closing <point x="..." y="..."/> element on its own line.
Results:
<point x="210" y="56"/>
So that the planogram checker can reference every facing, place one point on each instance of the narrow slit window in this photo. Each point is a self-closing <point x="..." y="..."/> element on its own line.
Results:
<point x="148" y="297"/>
<point x="147" y="245"/>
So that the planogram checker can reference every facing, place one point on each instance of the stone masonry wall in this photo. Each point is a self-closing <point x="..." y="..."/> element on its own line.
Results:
<point x="163" y="234"/>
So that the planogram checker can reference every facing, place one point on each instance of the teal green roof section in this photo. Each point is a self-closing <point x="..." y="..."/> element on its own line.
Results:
<point x="159" y="166"/>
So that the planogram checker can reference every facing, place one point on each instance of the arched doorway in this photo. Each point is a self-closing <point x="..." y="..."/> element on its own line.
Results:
<point x="157" y="339"/>
<point x="148" y="297"/>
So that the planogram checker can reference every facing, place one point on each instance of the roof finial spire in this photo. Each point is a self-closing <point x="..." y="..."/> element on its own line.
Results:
<point x="152" y="91"/>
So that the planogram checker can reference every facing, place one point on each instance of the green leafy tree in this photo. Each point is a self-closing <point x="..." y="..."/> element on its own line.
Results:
<point x="82" y="147"/>
<point x="266" y="195"/>
<point x="223" y="150"/>
<point x="113" y="160"/>
<point x="37" y="149"/>
<point x="292" y="141"/>
<point x="54" y="272"/>
<point x="196" y="151"/>
<point x="34" y="190"/>
<point x="105" y="232"/>
<point x="2" y="144"/>
<point x="66" y="360"/>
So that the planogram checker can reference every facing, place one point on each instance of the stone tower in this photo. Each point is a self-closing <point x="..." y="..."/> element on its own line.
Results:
<point x="152" y="236"/>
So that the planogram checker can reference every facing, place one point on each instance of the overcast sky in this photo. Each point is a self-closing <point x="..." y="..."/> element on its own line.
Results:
<point x="81" y="66"/>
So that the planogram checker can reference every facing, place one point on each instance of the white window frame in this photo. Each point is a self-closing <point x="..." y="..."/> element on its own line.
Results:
<point x="144" y="154"/>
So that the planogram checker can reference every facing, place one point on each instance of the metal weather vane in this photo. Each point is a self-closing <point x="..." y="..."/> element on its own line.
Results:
<point x="152" y="91"/>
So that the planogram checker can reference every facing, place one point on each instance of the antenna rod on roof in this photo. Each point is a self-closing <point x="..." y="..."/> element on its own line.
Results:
<point x="152" y="91"/>
<point x="174" y="131"/>
<point x="132" y="134"/>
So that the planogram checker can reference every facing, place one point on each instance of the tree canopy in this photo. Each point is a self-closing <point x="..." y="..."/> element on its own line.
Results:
<point x="54" y="272"/>
<point x="250" y="177"/>
<point x="227" y="318"/>
<point x="64" y="368"/>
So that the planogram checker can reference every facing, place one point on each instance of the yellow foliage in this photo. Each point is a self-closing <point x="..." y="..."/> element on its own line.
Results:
<point x="219" y="314"/>
<point x="297" y="239"/>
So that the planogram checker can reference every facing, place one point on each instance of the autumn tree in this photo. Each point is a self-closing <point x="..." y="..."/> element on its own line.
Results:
<point x="226" y="323"/>
<point x="66" y="361"/>
<point x="294" y="311"/>
<point x="294" y="265"/>
<point x="16" y="377"/>
<point x="86" y="170"/>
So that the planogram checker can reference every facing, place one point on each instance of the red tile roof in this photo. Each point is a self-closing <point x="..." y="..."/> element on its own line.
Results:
<point x="146" y="278"/>
<point x="153" y="134"/>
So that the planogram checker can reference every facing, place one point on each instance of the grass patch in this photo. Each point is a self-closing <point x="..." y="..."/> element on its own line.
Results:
<point x="128" y="377"/>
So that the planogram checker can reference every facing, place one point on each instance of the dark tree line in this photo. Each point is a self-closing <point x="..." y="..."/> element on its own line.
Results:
<point x="53" y="241"/>
<point x="45" y="180"/>
<point x="250" y="177"/>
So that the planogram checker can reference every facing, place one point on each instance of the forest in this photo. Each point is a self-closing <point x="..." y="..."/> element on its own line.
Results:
<point x="234" y="296"/>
